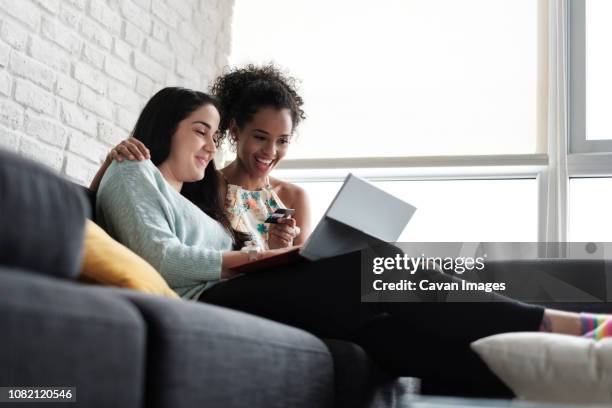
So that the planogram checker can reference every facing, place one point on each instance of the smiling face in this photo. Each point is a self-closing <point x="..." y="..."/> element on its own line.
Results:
<point x="193" y="145"/>
<point x="263" y="141"/>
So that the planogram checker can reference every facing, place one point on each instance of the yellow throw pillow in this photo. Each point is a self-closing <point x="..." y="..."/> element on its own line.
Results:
<point x="108" y="262"/>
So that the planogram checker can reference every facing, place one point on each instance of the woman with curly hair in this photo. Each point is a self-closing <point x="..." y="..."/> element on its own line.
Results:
<point x="260" y="110"/>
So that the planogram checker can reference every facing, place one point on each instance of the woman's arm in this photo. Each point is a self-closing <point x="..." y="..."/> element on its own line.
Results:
<point x="135" y="212"/>
<point x="133" y="209"/>
<point x="131" y="149"/>
<point x="301" y="205"/>
<point x="233" y="259"/>
<point x="95" y="183"/>
<point x="291" y="231"/>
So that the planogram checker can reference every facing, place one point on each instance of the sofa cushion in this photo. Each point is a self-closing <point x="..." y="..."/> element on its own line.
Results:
<point x="41" y="218"/>
<point x="551" y="367"/>
<point x="208" y="356"/>
<point x="108" y="262"/>
<point x="57" y="332"/>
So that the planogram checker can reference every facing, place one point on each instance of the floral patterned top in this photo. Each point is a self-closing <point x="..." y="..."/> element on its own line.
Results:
<point x="247" y="210"/>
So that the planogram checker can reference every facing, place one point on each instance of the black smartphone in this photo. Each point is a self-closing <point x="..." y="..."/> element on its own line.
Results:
<point x="278" y="214"/>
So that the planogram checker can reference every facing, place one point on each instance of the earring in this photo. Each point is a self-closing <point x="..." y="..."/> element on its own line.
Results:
<point x="233" y="145"/>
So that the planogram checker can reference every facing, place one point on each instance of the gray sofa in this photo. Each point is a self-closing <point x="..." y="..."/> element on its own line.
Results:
<point x="121" y="348"/>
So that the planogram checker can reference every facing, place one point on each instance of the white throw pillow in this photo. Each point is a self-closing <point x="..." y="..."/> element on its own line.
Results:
<point x="550" y="367"/>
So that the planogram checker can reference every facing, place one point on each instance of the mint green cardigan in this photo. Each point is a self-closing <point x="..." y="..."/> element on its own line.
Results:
<point x="140" y="209"/>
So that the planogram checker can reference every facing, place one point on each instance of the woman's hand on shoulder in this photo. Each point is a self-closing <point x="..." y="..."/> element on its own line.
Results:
<point x="131" y="149"/>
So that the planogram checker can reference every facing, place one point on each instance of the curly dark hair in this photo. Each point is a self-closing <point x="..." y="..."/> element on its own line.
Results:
<point x="243" y="91"/>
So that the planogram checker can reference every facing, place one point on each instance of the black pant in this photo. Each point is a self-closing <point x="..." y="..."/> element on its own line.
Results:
<point x="428" y="340"/>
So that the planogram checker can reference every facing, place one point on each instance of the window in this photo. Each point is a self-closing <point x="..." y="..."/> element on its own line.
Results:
<point x="590" y="210"/>
<point x="591" y="83"/>
<point x="455" y="210"/>
<point x="403" y="77"/>
<point x="590" y="158"/>
<point x="598" y="69"/>
<point x="450" y="97"/>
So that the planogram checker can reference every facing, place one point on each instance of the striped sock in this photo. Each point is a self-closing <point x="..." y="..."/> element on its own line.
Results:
<point x="595" y="326"/>
<point x="602" y="331"/>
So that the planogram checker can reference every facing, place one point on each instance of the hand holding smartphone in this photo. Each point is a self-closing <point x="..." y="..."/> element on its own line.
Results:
<point x="279" y="214"/>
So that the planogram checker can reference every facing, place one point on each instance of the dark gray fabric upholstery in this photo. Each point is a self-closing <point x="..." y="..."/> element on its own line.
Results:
<point x="62" y="333"/>
<point x="206" y="356"/>
<point x="41" y="218"/>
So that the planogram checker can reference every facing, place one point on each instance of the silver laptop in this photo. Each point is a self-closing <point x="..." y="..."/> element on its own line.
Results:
<point x="360" y="215"/>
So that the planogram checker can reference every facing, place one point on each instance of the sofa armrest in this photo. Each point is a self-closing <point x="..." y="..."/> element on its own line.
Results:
<point x="59" y="333"/>
<point x="42" y="218"/>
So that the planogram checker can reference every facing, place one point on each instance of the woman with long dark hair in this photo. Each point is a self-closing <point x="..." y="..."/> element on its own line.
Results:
<point x="149" y="205"/>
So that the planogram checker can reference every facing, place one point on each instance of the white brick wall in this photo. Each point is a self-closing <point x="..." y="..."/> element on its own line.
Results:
<point x="74" y="74"/>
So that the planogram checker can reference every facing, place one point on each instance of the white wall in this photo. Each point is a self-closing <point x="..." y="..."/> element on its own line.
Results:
<point x="74" y="74"/>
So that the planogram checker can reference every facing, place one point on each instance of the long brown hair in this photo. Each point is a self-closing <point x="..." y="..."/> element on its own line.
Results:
<point x="157" y="123"/>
